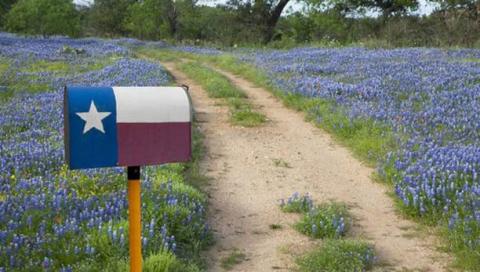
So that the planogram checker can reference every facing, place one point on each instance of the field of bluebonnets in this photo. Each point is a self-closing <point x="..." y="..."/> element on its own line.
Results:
<point x="52" y="219"/>
<point x="424" y="101"/>
<point x="427" y="101"/>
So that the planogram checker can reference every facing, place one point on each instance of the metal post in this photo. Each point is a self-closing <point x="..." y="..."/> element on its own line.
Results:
<point x="134" y="218"/>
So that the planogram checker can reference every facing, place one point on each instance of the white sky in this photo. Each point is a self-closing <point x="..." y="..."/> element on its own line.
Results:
<point x="425" y="6"/>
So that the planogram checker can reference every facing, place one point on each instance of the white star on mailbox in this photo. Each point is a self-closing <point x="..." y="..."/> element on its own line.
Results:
<point x="93" y="118"/>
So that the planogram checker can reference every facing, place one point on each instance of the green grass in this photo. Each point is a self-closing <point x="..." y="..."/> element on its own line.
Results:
<point x="235" y="257"/>
<point x="31" y="82"/>
<point x="338" y="256"/>
<point x="64" y="68"/>
<point x="470" y="60"/>
<point x="218" y="86"/>
<point x="161" y="261"/>
<point x="468" y="257"/>
<point x="247" y="118"/>
<point x="162" y="55"/>
<point x="3" y="66"/>
<point x="47" y="66"/>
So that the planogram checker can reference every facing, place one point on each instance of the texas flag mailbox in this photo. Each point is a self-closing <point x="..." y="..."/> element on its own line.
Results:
<point x="126" y="126"/>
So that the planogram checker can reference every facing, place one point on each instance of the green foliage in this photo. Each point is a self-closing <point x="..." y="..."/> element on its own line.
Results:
<point x="148" y="19"/>
<point x="5" y="7"/>
<point x="160" y="262"/>
<point x="44" y="17"/>
<point x="106" y="17"/>
<point x="339" y="256"/>
<point x="387" y="7"/>
<point x="328" y="220"/>
<point x="461" y="240"/>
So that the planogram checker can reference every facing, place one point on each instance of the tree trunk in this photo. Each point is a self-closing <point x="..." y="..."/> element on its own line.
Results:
<point x="272" y="20"/>
<point x="172" y="17"/>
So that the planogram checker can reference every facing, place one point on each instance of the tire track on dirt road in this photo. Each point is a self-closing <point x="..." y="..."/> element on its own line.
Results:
<point x="246" y="187"/>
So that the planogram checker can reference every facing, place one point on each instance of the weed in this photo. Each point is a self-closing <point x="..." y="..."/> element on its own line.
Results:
<point x="297" y="203"/>
<point x="247" y="118"/>
<point x="328" y="220"/>
<point x="233" y="259"/>
<point x="281" y="163"/>
<point x="275" y="226"/>
<point x="339" y="256"/>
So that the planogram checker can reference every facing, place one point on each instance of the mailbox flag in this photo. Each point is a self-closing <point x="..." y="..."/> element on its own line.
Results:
<point x="126" y="126"/>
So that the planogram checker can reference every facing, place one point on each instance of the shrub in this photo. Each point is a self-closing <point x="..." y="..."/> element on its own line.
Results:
<point x="44" y="17"/>
<point x="328" y="220"/>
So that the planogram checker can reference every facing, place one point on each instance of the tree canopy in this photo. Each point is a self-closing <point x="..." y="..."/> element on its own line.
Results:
<point x="44" y="17"/>
<point x="251" y="22"/>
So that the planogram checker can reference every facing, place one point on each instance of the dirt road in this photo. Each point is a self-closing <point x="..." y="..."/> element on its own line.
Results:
<point x="247" y="185"/>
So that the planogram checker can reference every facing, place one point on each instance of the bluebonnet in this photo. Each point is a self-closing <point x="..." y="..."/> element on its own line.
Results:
<point x="431" y="100"/>
<point x="51" y="217"/>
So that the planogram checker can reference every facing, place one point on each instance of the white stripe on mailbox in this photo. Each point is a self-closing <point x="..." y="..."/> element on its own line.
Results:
<point x="151" y="104"/>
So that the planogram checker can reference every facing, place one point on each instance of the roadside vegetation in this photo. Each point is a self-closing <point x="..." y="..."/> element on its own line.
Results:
<point x="218" y="86"/>
<point x="374" y="142"/>
<point x="329" y="221"/>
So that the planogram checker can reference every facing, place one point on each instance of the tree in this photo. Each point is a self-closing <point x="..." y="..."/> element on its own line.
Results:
<point x="154" y="19"/>
<point x="107" y="16"/>
<point x="262" y="14"/>
<point x="387" y="8"/>
<point x="44" y="17"/>
<point x="469" y="8"/>
<point x="5" y="6"/>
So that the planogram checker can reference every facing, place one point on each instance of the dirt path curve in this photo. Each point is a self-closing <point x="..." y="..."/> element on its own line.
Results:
<point x="246" y="188"/>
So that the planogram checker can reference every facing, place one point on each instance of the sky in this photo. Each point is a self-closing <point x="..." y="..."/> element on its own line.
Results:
<point x="424" y="9"/>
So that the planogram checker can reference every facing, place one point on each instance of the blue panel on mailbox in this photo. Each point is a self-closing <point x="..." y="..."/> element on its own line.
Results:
<point x="90" y="127"/>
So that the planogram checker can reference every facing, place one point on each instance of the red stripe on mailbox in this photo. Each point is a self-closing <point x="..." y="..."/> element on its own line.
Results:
<point x="153" y="143"/>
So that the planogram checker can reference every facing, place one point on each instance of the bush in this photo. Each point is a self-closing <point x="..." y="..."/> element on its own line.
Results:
<point x="44" y="17"/>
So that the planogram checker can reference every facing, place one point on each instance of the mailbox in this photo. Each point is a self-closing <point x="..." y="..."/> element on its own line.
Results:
<point x="126" y="126"/>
